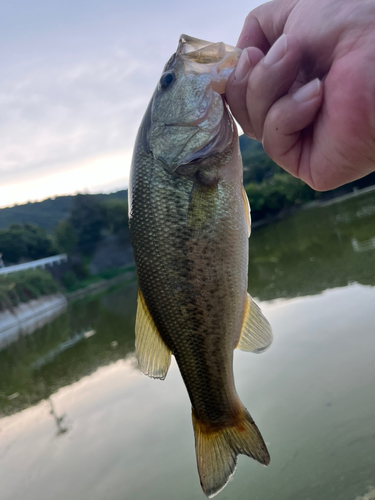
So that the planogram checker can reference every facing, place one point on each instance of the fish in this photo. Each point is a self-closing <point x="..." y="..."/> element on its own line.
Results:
<point x="189" y="220"/>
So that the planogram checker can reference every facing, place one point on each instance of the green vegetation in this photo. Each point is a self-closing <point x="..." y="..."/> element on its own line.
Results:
<point x="71" y="283"/>
<point x="50" y="212"/>
<point x="116" y="218"/>
<point x="24" y="286"/>
<point x="25" y="241"/>
<point x="272" y="191"/>
<point x="277" y="194"/>
<point x="89" y="221"/>
<point x="79" y="225"/>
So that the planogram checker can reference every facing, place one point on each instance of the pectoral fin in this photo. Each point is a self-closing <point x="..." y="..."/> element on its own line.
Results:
<point x="153" y="355"/>
<point x="256" y="335"/>
<point x="246" y="207"/>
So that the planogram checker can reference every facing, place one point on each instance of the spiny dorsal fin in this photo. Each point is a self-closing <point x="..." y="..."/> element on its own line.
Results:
<point x="153" y="355"/>
<point x="256" y="335"/>
<point x="246" y="207"/>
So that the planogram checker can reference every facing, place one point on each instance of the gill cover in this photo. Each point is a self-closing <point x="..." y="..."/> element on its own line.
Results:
<point x="189" y="118"/>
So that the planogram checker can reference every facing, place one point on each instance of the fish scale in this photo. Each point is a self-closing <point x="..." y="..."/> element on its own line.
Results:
<point x="163" y="254"/>
<point x="189" y="225"/>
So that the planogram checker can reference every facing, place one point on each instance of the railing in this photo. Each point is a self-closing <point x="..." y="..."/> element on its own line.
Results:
<point x="363" y="246"/>
<point x="42" y="263"/>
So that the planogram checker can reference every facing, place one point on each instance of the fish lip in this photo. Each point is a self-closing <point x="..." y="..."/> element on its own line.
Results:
<point x="186" y="40"/>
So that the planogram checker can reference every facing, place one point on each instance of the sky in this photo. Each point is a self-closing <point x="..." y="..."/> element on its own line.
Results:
<point x="75" y="80"/>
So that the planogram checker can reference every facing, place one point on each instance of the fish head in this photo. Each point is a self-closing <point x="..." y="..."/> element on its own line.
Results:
<point x="189" y="119"/>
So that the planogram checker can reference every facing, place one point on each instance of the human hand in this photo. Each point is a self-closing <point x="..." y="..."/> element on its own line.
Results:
<point x="311" y="99"/>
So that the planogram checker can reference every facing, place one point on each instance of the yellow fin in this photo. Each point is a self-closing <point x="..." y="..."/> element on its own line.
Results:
<point x="246" y="206"/>
<point x="153" y="355"/>
<point x="256" y="335"/>
<point x="217" y="450"/>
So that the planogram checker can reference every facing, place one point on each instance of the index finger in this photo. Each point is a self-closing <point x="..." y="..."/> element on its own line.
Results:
<point x="265" y="24"/>
<point x="252" y="35"/>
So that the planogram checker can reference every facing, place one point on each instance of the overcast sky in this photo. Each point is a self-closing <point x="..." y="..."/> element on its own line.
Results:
<point x="75" y="79"/>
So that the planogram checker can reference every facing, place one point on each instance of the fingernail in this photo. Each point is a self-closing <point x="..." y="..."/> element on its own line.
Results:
<point x="243" y="66"/>
<point x="308" y="92"/>
<point x="277" y="51"/>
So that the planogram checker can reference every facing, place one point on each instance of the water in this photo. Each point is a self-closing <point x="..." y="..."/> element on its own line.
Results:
<point x="79" y="421"/>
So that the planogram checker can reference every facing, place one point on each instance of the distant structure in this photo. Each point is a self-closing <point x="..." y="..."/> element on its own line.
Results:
<point x="48" y="262"/>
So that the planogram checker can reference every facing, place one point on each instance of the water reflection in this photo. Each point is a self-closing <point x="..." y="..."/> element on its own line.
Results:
<point x="314" y="250"/>
<point x="56" y="355"/>
<point x="61" y="429"/>
<point x="79" y="420"/>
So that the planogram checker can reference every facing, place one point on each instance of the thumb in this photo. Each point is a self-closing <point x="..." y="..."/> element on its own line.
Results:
<point x="265" y="24"/>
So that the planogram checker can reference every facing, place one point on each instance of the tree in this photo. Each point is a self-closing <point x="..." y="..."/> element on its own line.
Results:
<point x="66" y="237"/>
<point x="116" y="217"/>
<point x="25" y="241"/>
<point x="87" y="217"/>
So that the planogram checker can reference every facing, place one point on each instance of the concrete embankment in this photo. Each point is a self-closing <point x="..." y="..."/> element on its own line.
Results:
<point x="26" y="318"/>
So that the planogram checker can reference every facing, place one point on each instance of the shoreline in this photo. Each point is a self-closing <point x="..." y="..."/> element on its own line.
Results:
<point x="312" y="204"/>
<point x="27" y="317"/>
<point x="98" y="286"/>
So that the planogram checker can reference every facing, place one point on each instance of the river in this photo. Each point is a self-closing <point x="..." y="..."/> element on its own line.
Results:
<point x="78" y="420"/>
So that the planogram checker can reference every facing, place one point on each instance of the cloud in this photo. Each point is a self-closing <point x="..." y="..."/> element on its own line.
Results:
<point x="60" y="115"/>
<point x="77" y="77"/>
<point x="96" y="174"/>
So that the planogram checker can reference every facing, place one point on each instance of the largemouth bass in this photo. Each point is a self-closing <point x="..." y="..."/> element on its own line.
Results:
<point x="189" y="223"/>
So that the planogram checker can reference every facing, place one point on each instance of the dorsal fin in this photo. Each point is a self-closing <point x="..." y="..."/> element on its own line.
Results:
<point x="246" y="207"/>
<point x="154" y="357"/>
<point x="256" y="335"/>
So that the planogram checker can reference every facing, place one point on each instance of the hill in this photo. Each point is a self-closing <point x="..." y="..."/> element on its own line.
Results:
<point x="270" y="189"/>
<point x="258" y="167"/>
<point x="48" y="213"/>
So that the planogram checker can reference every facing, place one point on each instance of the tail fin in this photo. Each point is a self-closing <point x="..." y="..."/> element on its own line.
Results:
<point x="217" y="450"/>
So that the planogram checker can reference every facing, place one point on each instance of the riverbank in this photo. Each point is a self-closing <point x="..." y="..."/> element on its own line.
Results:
<point x="312" y="204"/>
<point x="24" y="286"/>
<point x="31" y="299"/>
<point x="27" y="317"/>
<point x="99" y="286"/>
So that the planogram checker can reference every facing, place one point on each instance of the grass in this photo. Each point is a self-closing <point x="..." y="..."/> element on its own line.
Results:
<point x="23" y="286"/>
<point x="73" y="285"/>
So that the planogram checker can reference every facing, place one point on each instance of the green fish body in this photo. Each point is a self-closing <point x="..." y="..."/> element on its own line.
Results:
<point x="190" y="223"/>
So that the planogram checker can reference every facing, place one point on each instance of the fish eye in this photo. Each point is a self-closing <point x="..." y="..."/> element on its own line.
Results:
<point x="166" y="80"/>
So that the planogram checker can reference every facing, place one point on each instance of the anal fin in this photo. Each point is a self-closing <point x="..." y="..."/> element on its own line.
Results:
<point x="256" y="334"/>
<point x="154" y="357"/>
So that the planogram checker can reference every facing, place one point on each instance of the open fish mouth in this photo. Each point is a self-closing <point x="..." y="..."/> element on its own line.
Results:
<point x="189" y="117"/>
<point x="217" y="59"/>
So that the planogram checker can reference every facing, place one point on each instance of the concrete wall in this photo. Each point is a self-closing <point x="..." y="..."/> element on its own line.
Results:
<point x="26" y="318"/>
